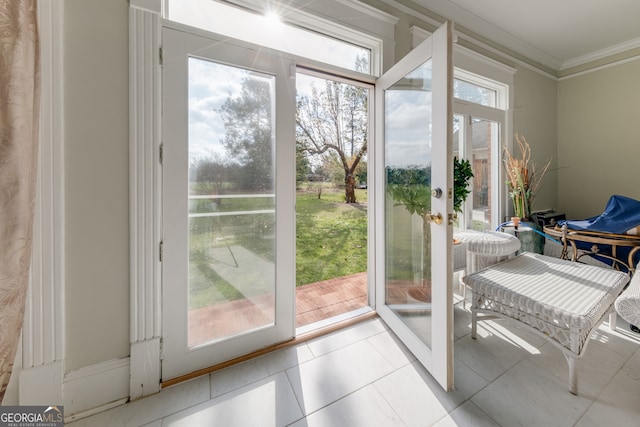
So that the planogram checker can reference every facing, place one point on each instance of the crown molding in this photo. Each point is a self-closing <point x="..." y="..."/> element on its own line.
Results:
<point x="370" y="11"/>
<point x="474" y="23"/>
<point x="601" y="54"/>
<point x="486" y="29"/>
<point x="150" y="5"/>
<point x="413" y="12"/>
<point x="594" y="69"/>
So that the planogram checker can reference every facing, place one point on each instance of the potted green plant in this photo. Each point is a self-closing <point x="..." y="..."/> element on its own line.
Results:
<point x="462" y="174"/>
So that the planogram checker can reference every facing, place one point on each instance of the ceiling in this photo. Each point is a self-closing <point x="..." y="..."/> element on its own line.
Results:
<point x="556" y="33"/>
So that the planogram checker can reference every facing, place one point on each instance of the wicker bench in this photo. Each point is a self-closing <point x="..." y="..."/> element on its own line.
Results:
<point x="560" y="300"/>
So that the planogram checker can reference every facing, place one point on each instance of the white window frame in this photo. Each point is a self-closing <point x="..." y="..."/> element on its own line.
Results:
<point x="478" y="69"/>
<point x="332" y="28"/>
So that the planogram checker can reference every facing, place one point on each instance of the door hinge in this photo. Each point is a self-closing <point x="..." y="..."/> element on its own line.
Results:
<point x="161" y="154"/>
<point x="160" y="57"/>
<point x="160" y="250"/>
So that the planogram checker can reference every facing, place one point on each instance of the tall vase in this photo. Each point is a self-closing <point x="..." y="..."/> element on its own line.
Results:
<point x="531" y="238"/>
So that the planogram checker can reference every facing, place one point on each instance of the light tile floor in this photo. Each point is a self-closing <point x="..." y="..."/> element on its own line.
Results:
<point x="363" y="376"/>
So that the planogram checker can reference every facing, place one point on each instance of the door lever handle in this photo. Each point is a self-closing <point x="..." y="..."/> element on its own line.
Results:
<point x="436" y="218"/>
<point x="452" y="217"/>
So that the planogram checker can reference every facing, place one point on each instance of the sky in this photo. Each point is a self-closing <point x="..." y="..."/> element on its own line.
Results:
<point x="408" y="119"/>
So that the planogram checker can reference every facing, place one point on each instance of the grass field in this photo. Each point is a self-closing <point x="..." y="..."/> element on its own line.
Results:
<point x="331" y="236"/>
<point x="331" y="241"/>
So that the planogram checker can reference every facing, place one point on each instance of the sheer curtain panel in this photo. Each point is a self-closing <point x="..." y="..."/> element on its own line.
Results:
<point x="19" y="116"/>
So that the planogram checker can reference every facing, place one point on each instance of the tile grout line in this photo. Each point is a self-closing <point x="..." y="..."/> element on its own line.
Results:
<point x="607" y="385"/>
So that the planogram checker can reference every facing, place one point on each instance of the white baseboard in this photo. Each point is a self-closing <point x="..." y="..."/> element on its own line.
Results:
<point x="41" y="385"/>
<point x="84" y="414"/>
<point x="96" y="388"/>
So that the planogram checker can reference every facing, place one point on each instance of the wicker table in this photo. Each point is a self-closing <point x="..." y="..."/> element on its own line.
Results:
<point x="484" y="248"/>
<point x="562" y="301"/>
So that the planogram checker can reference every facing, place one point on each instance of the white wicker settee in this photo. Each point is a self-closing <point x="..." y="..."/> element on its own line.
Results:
<point x="628" y="303"/>
<point x="563" y="301"/>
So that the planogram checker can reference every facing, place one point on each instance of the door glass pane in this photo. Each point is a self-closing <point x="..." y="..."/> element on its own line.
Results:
<point x="458" y="151"/>
<point x="408" y="144"/>
<point x="231" y="201"/>
<point x="485" y="139"/>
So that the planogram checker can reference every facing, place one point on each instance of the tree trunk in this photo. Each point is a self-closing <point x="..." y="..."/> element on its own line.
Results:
<point x="350" y="189"/>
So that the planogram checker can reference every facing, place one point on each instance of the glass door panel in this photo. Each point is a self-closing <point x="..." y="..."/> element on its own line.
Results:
<point x="414" y="133"/>
<point x="408" y="167"/>
<point x="228" y="124"/>
<point x="458" y="145"/>
<point x="231" y="201"/>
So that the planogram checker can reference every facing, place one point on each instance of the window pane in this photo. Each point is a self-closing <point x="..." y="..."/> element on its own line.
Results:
<point x="231" y="201"/>
<point x="472" y="92"/>
<point x="269" y="32"/>
<point x="485" y="136"/>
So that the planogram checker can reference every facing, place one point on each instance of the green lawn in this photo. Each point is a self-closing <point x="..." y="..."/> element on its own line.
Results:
<point x="331" y="236"/>
<point x="331" y="242"/>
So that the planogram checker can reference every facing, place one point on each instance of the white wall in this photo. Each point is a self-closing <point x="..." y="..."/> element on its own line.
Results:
<point x="96" y="172"/>
<point x="535" y="117"/>
<point x="598" y="138"/>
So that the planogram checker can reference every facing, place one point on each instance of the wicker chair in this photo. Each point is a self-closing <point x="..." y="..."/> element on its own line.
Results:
<point x="628" y="303"/>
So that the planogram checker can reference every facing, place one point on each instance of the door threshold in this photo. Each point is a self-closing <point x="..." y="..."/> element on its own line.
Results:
<point x="303" y="334"/>
<point x="329" y="322"/>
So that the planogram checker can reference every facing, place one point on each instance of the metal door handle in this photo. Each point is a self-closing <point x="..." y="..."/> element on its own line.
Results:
<point x="437" y="218"/>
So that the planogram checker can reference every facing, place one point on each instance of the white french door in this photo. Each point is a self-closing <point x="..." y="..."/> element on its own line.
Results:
<point x="228" y="201"/>
<point x="414" y="293"/>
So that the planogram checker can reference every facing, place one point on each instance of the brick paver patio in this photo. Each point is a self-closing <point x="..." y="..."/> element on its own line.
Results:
<point x="314" y="302"/>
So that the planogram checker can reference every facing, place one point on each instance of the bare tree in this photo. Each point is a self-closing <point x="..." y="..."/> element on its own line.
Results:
<point x="332" y="124"/>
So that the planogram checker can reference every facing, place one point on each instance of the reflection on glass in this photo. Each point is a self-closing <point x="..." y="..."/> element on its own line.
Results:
<point x="474" y="93"/>
<point x="408" y="146"/>
<point x="231" y="202"/>
<point x="486" y="134"/>
<point x="458" y="151"/>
